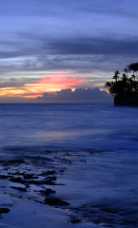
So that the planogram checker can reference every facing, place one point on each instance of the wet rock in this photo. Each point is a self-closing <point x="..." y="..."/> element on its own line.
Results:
<point x="35" y="181"/>
<point x="4" y="176"/>
<point x="17" y="179"/>
<point x="110" y="210"/>
<point x="28" y="175"/>
<point x="48" y="173"/>
<point x="51" y="180"/>
<point x="48" y="192"/>
<point x="62" y="171"/>
<point x="130" y="222"/>
<point x="13" y="162"/>
<point x="75" y="220"/>
<point x="19" y="187"/>
<point x="35" y="176"/>
<point x="56" y="202"/>
<point x="107" y="214"/>
<point x="4" y="210"/>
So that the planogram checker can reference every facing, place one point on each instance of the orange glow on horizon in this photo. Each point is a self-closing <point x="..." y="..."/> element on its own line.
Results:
<point x="52" y="84"/>
<point x="49" y="84"/>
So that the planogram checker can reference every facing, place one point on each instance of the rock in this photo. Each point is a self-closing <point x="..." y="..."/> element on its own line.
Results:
<point x="4" y="176"/>
<point x="36" y="181"/>
<point x="48" y="192"/>
<point x="19" y="187"/>
<point x="62" y="170"/>
<point x="28" y="175"/>
<point x="56" y="202"/>
<point x="50" y="180"/>
<point x="17" y="179"/>
<point x="75" y="220"/>
<point x="48" y="173"/>
<point x="4" y="210"/>
<point x="110" y="210"/>
<point x="13" y="162"/>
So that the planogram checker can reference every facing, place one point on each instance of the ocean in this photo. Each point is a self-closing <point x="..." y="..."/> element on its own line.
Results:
<point x="69" y="126"/>
<point x="94" y="150"/>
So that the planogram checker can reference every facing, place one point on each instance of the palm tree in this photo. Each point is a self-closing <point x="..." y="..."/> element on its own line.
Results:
<point x="133" y="77"/>
<point x="133" y="67"/>
<point x="124" y="77"/>
<point x="116" y="76"/>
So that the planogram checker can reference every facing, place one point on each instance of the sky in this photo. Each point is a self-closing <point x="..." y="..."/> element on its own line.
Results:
<point x="50" y="46"/>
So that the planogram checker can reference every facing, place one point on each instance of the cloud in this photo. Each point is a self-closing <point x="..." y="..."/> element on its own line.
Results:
<point x="81" y="37"/>
<point x="44" y="85"/>
<point x="79" y="95"/>
<point x="102" y="46"/>
<point x="78" y="54"/>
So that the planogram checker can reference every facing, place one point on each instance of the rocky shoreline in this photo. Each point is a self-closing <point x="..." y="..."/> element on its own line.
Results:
<point x="37" y="179"/>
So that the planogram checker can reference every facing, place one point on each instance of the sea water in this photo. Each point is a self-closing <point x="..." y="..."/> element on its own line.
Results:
<point x="107" y="134"/>
<point x="69" y="126"/>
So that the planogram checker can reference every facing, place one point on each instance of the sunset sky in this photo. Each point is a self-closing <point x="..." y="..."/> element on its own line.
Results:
<point x="54" y="45"/>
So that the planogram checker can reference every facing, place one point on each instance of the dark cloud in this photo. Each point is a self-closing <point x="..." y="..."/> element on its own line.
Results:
<point x="83" y="36"/>
<point x="80" y="54"/>
<point x="78" y="96"/>
<point x="95" y="46"/>
<point x="70" y="46"/>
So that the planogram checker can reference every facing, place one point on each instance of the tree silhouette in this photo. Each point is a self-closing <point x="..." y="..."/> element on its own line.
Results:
<point x="133" y="77"/>
<point x="116" y="75"/>
<point x="133" y="67"/>
<point x="125" y="88"/>
<point x="124" y="78"/>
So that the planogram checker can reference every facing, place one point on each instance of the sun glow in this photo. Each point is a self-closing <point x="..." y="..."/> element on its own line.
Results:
<point x="49" y="84"/>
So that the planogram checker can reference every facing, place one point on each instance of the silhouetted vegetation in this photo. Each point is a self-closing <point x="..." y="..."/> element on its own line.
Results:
<point x="133" y="67"/>
<point x="124" y="86"/>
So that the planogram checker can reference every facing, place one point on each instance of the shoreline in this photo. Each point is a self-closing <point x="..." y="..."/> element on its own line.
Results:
<point x="73" y="188"/>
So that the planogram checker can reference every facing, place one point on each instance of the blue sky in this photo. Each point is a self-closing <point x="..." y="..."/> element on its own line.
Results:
<point x="89" y="39"/>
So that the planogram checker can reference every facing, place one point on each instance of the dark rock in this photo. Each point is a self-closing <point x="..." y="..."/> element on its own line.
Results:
<point x="22" y="189"/>
<point x="28" y="175"/>
<point x="50" y="180"/>
<point x="107" y="214"/>
<point x="48" y="173"/>
<point x="17" y="179"/>
<point x="36" y="181"/>
<point x="56" y="202"/>
<point x="4" y="176"/>
<point x="48" y="192"/>
<point x="62" y="170"/>
<point x="13" y="162"/>
<point x="110" y="210"/>
<point x="4" y="210"/>
<point x="75" y="220"/>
